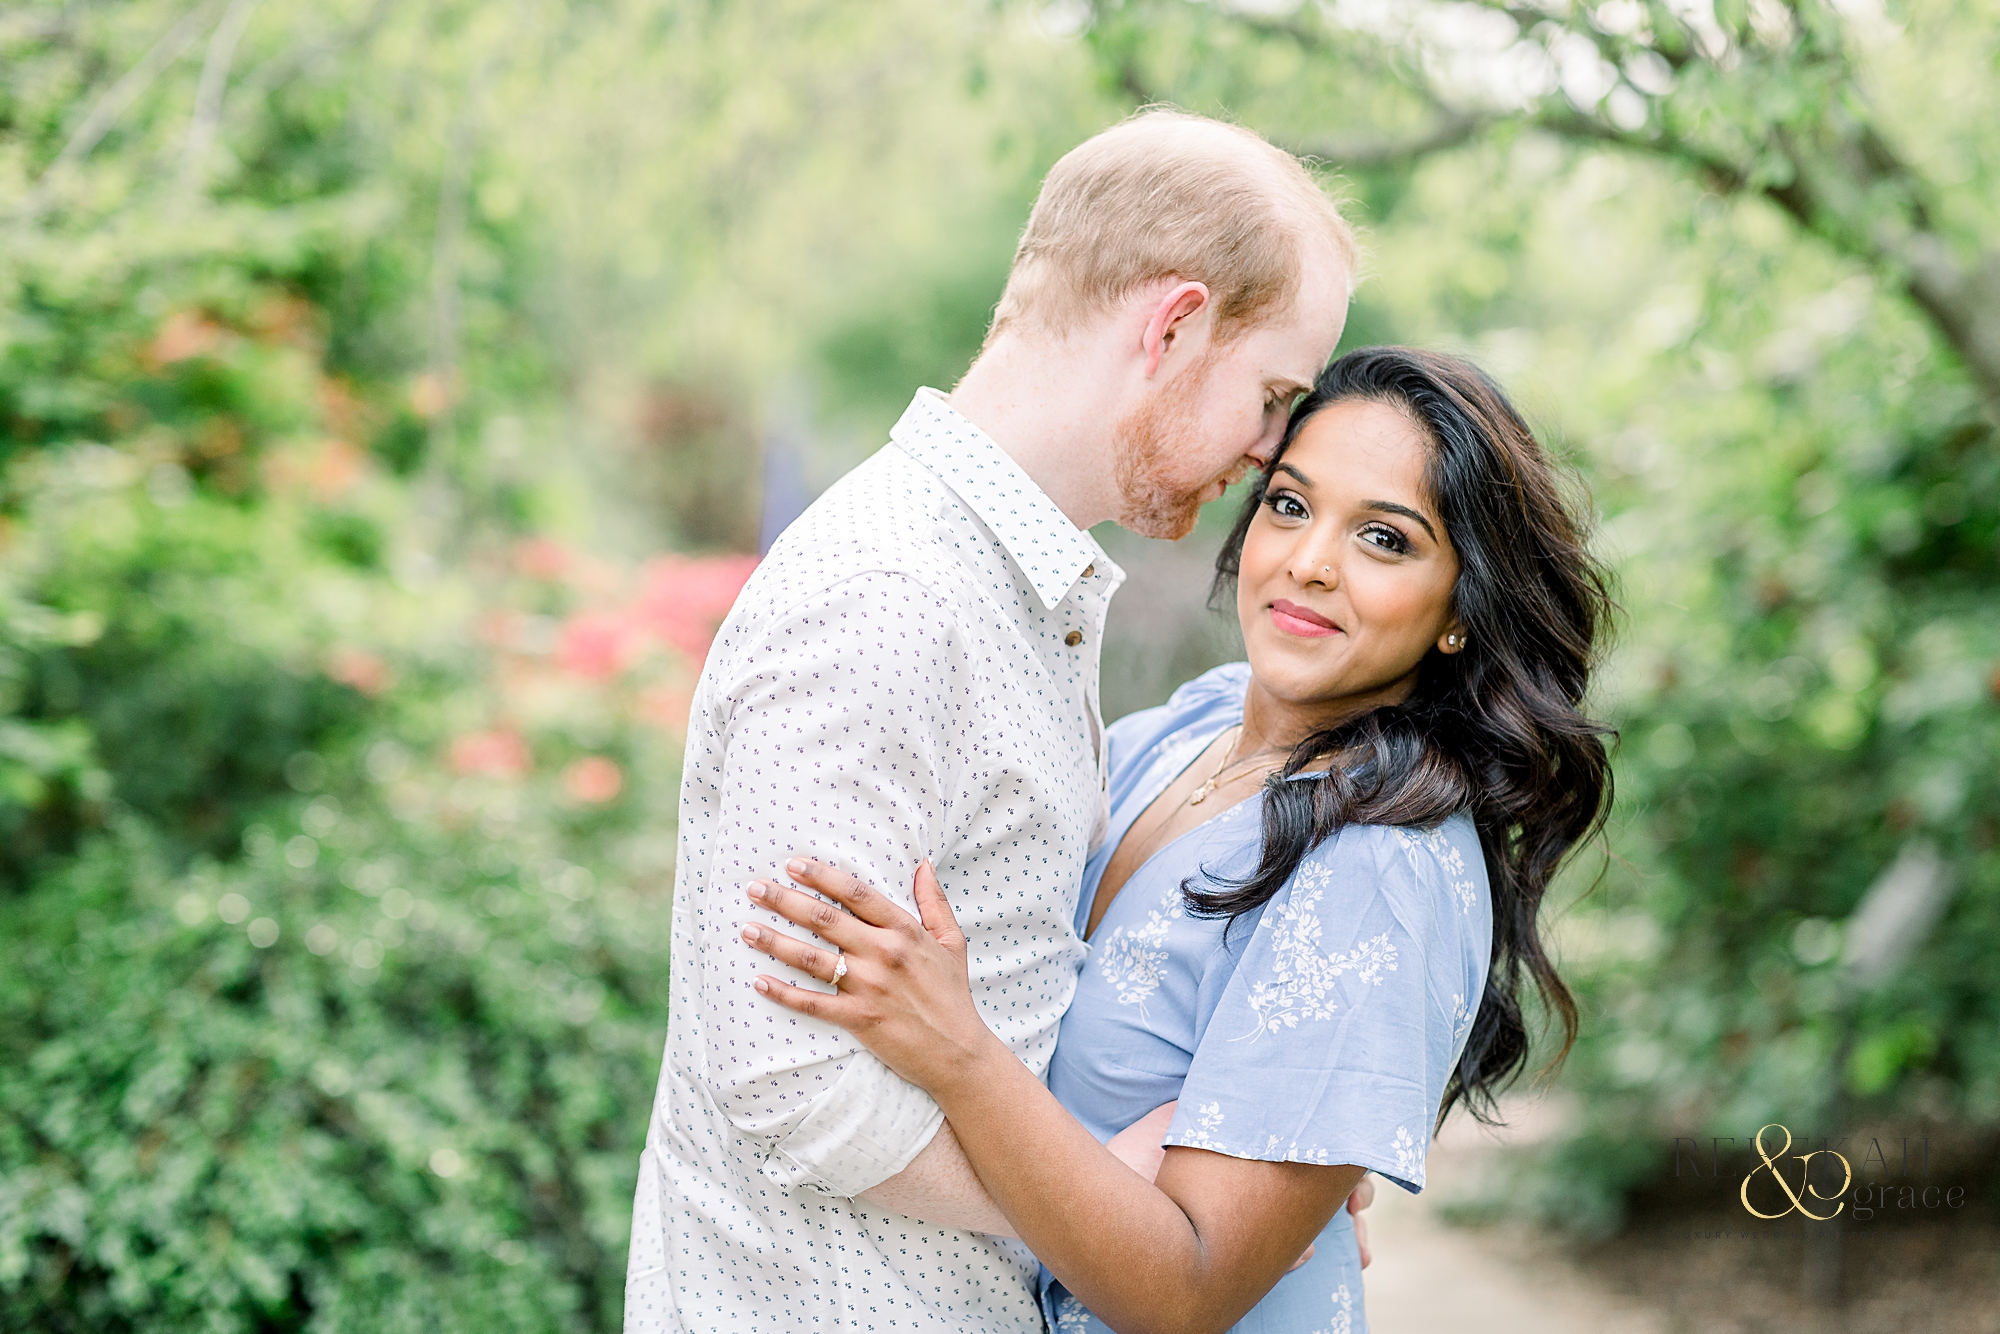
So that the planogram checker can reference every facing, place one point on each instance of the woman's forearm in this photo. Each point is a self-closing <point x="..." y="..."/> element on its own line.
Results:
<point x="1125" y="1247"/>
<point x="1192" y="1251"/>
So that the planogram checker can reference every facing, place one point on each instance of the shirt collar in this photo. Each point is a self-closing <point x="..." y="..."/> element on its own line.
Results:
<point x="1051" y="551"/>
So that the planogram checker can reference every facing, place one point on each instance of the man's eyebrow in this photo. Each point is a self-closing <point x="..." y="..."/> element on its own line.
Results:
<point x="1391" y="507"/>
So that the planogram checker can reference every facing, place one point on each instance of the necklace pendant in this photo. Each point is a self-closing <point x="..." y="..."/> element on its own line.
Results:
<point x="1201" y="794"/>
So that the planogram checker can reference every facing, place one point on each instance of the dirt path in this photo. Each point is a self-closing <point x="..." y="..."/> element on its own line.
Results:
<point x="1430" y="1279"/>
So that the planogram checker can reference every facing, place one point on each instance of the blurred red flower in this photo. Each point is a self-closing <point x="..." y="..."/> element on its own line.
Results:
<point x="683" y="599"/>
<point x="360" y="669"/>
<point x="500" y="753"/>
<point x="542" y="558"/>
<point x="597" y="644"/>
<point x="593" y="780"/>
<point x="667" y="706"/>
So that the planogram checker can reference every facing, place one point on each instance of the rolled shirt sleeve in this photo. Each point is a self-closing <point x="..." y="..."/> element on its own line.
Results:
<point x="842" y="722"/>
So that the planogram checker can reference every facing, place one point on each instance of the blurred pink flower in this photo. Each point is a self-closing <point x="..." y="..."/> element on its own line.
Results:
<point x="542" y="558"/>
<point x="500" y="753"/>
<point x="683" y="599"/>
<point x="593" y="780"/>
<point x="496" y="627"/>
<point x="184" y="334"/>
<point x="667" y="706"/>
<point x="360" y="669"/>
<point x="597" y="644"/>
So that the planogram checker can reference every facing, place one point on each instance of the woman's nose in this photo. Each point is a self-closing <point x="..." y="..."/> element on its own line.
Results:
<point x="1314" y="568"/>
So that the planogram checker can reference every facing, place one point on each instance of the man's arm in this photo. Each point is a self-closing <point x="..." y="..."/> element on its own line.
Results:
<point x="939" y="1186"/>
<point x="846" y="719"/>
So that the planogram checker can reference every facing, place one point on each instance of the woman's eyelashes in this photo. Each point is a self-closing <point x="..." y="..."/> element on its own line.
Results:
<point x="1286" y="505"/>
<point x="1387" y="538"/>
<point x="1289" y="508"/>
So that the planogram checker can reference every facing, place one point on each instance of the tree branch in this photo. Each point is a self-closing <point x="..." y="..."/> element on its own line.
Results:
<point x="105" y="112"/>
<point x="1360" y="154"/>
<point x="1961" y="301"/>
<point x="208" y="97"/>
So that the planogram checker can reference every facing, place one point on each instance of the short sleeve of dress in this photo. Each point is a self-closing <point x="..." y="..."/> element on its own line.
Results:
<point x="1346" y="1008"/>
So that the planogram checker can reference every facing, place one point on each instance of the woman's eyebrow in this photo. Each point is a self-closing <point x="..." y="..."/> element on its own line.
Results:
<point x="1391" y="507"/>
<point x="1296" y="475"/>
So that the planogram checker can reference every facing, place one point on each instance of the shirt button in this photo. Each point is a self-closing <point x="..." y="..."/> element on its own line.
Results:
<point x="1073" y="638"/>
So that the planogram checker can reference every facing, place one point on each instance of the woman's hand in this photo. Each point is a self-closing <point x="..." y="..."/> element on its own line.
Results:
<point x="905" y="994"/>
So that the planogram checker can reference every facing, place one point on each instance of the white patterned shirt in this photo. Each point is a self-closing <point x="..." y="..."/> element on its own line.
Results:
<point x="911" y="672"/>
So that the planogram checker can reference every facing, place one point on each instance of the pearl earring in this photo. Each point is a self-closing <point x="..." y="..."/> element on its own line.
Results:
<point x="1451" y="640"/>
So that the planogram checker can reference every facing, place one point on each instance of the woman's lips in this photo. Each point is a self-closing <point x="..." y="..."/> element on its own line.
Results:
<point x="1304" y="622"/>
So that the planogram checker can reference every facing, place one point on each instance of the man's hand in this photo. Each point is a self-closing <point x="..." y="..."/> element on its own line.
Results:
<point x="1138" y="1145"/>
<point x="1363" y="1196"/>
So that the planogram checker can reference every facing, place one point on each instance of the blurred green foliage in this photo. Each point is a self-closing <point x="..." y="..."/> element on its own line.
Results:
<point x="352" y="354"/>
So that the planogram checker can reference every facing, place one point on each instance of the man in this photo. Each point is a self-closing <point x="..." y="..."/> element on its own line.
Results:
<point x="911" y="673"/>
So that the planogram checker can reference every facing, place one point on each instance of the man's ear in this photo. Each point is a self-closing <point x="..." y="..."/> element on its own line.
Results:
<point x="1179" y="308"/>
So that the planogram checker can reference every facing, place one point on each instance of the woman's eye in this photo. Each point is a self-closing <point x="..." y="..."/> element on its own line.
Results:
<point x="1286" y="506"/>
<point x="1386" y="538"/>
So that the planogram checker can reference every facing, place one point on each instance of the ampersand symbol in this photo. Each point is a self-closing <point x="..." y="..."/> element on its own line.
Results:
<point x="1786" y="1186"/>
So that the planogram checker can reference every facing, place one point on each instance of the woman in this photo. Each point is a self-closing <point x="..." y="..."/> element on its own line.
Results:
<point x="1316" y="913"/>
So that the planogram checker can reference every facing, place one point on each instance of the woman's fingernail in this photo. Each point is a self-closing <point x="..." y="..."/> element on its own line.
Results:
<point x="796" y="866"/>
<point x="753" y="934"/>
<point x="762" y="986"/>
<point x="755" y="889"/>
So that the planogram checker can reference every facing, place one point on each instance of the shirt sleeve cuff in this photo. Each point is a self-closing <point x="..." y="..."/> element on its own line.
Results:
<point x="864" y="1130"/>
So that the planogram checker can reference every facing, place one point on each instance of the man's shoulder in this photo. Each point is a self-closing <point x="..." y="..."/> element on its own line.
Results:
<point x="879" y="540"/>
<point x="887" y="515"/>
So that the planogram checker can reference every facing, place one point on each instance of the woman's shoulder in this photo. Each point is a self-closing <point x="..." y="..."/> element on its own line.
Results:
<point x="1215" y="692"/>
<point x="1217" y="685"/>
<point x="1442" y="863"/>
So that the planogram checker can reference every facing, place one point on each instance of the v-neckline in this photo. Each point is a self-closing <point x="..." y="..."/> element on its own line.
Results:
<point x="1164" y="848"/>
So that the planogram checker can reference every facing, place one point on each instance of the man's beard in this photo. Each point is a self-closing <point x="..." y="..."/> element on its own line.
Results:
<point x="1151" y="440"/>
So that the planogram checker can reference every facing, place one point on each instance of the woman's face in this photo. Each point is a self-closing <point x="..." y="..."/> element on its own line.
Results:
<point x="1347" y="571"/>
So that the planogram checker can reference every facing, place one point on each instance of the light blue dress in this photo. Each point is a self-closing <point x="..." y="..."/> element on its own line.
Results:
<point x="1321" y="1029"/>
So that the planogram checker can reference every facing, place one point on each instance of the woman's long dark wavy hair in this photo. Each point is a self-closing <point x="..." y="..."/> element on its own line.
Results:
<point x="1497" y="730"/>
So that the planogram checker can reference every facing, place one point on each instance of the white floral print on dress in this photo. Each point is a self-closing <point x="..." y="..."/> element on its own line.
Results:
<point x="1071" y="1315"/>
<point x="1409" y="1156"/>
<point x="1135" y="959"/>
<point x="1302" y="977"/>
<point x="1209" y="1117"/>
<point x="1461" y="1018"/>
<point x="1343" y="1313"/>
<point x="1448" y="858"/>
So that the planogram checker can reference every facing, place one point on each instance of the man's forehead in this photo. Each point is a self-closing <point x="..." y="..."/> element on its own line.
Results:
<point x="1296" y="355"/>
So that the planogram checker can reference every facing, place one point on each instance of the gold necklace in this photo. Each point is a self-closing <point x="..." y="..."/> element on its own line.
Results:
<point x="1203" y="792"/>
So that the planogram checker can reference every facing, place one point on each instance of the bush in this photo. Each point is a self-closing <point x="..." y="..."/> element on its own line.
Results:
<point x="301" y="1029"/>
